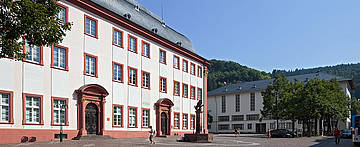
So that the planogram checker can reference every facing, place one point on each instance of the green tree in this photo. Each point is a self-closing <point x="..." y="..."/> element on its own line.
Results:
<point x="274" y="98"/>
<point x="31" y="20"/>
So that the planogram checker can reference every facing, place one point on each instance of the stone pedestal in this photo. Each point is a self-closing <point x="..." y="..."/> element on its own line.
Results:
<point x="201" y="138"/>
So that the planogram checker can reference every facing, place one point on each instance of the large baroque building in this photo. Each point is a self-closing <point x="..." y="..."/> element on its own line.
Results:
<point x="239" y="106"/>
<point x="118" y="71"/>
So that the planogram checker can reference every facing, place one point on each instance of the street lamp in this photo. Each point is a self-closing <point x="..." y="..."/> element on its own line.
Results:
<point x="61" y="107"/>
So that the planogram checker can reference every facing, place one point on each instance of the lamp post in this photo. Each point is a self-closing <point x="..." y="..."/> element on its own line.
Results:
<point x="61" y="107"/>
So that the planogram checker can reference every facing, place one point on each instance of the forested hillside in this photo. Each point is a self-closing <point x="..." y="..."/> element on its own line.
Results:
<point x="231" y="72"/>
<point x="351" y="71"/>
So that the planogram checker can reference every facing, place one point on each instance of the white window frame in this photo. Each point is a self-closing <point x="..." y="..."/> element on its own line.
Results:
<point x="132" y="76"/>
<point x="192" y="92"/>
<point x="199" y="92"/>
<point x="185" y="121"/>
<point x="118" y="38"/>
<point x="34" y="53"/>
<point x="185" y="66"/>
<point x="118" y="72"/>
<point x="132" y="44"/>
<point x="146" y="49"/>
<point x="59" y="57"/>
<point x="132" y="117"/>
<point x="176" y="120"/>
<point x="185" y="90"/>
<point x="192" y="69"/>
<point x="162" y="56"/>
<point x="176" y="62"/>
<point x="163" y="85"/>
<point x="118" y="116"/>
<point x="5" y="104"/>
<point x="176" y="89"/>
<point x="90" y="25"/>
<point x="146" y="80"/>
<point x="192" y="122"/>
<point x="145" y="118"/>
<point x="34" y="117"/>
<point x="58" y="119"/>
<point x="62" y="14"/>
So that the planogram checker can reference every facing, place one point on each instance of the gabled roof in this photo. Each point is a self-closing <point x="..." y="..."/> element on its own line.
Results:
<point x="262" y="84"/>
<point x="146" y="19"/>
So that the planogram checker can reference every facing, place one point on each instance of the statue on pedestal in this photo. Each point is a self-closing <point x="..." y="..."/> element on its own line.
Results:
<point x="198" y="108"/>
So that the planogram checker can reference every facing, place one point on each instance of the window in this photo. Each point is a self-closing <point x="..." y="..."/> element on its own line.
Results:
<point x="145" y="80"/>
<point x="224" y="118"/>
<point x="5" y="107"/>
<point x="176" y="62"/>
<point x="249" y="126"/>
<point x="91" y="26"/>
<point x="238" y="126"/>
<point x="32" y="110"/>
<point x="145" y="118"/>
<point x="199" y="94"/>
<point x="118" y="72"/>
<point x="176" y="88"/>
<point x="59" y="109"/>
<point x="163" y="86"/>
<point x="118" y="116"/>
<point x="185" y="65"/>
<point x="252" y="101"/>
<point x="192" y="69"/>
<point x="252" y="117"/>
<point x="162" y="56"/>
<point x="223" y="104"/>
<point x="192" y="122"/>
<point x="176" y="120"/>
<point x="118" y="38"/>
<point x="192" y="92"/>
<point x="34" y="53"/>
<point x="237" y="103"/>
<point x="185" y="90"/>
<point x="237" y="118"/>
<point x="145" y="49"/>
<point x="199" y="72"/>
<point x="272" y="126"/>
<point x="59" y="57"/>
<point x="132" y="117"/>
<point x="132" y="76"/>
<point x="90" y="65"/>
<point x="62" y="15"/>
<point x="185" y="121"/>
<point x="132" y="46"/>
<point x="223" y="127"/>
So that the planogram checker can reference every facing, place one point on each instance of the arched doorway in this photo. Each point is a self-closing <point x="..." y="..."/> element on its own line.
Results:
<point x="163" y="123"/>
<point x="163" y="116"/>
<point x="91" y="118"/>
<point x="91" y="109"/>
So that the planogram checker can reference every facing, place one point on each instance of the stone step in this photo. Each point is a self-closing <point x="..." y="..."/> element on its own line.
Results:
<point x="95" y="137"/>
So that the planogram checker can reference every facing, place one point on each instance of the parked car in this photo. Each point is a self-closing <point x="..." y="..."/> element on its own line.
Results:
<point x="345" y="134"/>
<point x="283" y="133"/>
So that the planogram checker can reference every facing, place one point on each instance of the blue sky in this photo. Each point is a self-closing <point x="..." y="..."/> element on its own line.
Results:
<point x="268" y="34"/>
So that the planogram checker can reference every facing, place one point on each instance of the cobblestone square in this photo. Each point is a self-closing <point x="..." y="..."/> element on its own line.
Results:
<point x="219" y="140"/>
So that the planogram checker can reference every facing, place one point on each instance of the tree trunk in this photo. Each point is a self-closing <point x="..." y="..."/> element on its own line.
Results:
<point x="303" y="128"/>
<point x="309" y="127"/>
<point x="316" y="127"/>
<point x="328" y="126"/>
<point x="293" y="125"/>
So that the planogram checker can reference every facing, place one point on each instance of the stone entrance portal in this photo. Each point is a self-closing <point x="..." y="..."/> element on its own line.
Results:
<point x="91" y="106"/>
<point x="163" y="116"/>
<point x="91" y="119"/>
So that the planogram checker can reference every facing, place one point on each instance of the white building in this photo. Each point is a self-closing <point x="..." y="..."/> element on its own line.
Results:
<point x="118" y="71"/>
<point x="239" y="106"/>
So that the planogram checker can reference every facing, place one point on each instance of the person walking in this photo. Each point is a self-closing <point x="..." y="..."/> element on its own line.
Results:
<point x="337" y="136"/>
<point x="152" y="132"/>
<point x="268" y="134"/>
